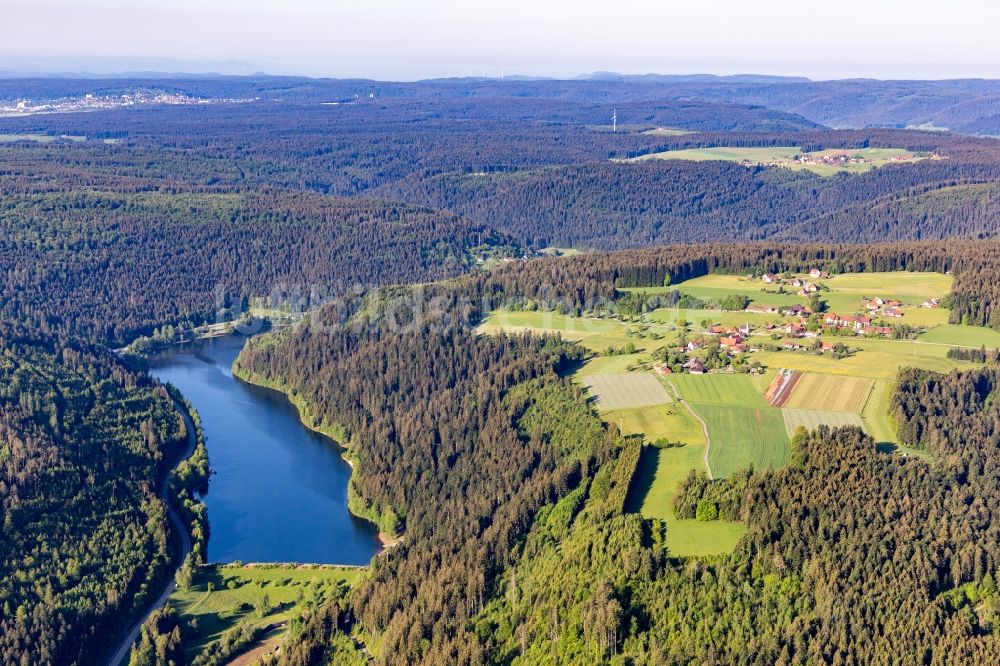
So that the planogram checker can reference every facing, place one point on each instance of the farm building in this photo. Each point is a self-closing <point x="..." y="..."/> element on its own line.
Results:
<point x="695" y="367"/>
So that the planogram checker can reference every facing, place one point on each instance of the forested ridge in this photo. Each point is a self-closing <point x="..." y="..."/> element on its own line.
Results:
<point x="507" y="490"/>
<point x="109" y="265"/>
<point x="457" y="442"/>
<point x="83" y="444"/>
<point x="590" y="283"/>
<point x="723" y="102"/>
<point x="839" y="565"/>
<point x="611" y="205"/>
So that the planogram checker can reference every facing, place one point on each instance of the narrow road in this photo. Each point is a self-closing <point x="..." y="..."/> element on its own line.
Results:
<point x="704" y="426"/>
<point x="125" y="646"/>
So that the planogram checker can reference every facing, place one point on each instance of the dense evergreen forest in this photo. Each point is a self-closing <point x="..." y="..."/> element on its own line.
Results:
<point x="838" y="565"/>
<point x="109" y="265"/>
<point x="507" y="490"/>
<point x="83" y="444"/>
<point x="966" y="106"/>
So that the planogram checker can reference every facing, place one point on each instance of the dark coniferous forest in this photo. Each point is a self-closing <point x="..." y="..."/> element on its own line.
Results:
<point x="509" y="492"/>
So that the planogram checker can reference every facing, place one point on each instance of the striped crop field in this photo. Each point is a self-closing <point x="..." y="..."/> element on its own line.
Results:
<point x="743" y="436"/>
<point x="810" y="419"/>
<point x="622" y="391"/>
<point x="719" y="389"/>
<point x="781" y="387"/>
<point x="829" y="393"/>
<point x="875" y="413"/>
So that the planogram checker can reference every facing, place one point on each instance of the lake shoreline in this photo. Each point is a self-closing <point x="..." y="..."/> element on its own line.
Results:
<point x="306" y="418"/>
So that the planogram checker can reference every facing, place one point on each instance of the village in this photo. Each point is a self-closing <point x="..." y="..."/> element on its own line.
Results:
<point x="801" y="328"/>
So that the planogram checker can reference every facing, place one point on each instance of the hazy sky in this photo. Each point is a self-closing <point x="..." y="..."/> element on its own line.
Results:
<point x="408" y="40"/>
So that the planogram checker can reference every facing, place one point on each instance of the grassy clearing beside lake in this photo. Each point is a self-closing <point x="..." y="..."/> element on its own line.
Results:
<point x="658" y="477"/>
<point x="744" y="436"/>
<point x="236" y="590"/>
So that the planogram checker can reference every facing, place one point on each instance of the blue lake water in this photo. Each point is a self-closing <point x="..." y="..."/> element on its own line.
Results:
<point x="279" y="493"/>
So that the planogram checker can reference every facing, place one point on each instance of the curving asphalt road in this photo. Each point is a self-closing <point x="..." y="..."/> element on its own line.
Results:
<point x="122" y="651"/>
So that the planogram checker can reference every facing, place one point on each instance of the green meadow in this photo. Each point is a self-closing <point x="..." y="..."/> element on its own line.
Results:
<point x="743" y="430"/>
<point x="787" y="157"/>
<point x="719" y="389"/>
<point x="658" y="477"/>
<point x="963" y="336"/>
<point x="672" y="421"/>
<point x="223" y="596"/>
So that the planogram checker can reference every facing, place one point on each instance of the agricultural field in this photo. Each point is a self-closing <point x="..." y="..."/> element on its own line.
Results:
<point x="667" y="131"/>
<point x="877" y="358"/>
<point x="719" y="389"/>
<point x="610" y="365"/>
<point x="829" y="393"/>
<point x="223" y="596"/>
<point x="844" y="296"/>
<point x="672" y="421"/>
<point x="627" y="390"/>
<point x="594" y="334"/>
<point x="910" y="288"/>
<point x="875" y="413"/>
<point x="717" y="286"/>
<point x="811" y="419"/>
<point x="963" y="336"/>
<point x="744" y="436"/>
<point x="727" y="318"/>
<point x="658" y="476"/>
<point x="789" y="157"/>
<point x="40" y="138"/>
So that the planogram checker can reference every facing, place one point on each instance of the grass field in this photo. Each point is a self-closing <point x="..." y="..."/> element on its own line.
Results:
<point x="879" y="359"/>
<point x="609" y="365"/>
<point x="963" y="336"/>
<point x="623" y="391"/>
<point x="730" y="318"/>
<point x="910" y="288"/>
<point x="594" y="334"/>
<point x="875" y="413"/>
<point x="39" y="138"/>
<point x="844" y="296"/>
<point x="658" y="477"/>
<point x="572" y="328"/>
<point x="673" y="421"/>
<point x="744" y="436"/>
<point x="811" y="419"/>
<point x="829" y="393"/>
<point x="235" y="590"/>
<point x="715" y="287"/>
<point x="719" y="389"/>
<point x="785" y="156"/>
<point x="667" y="131"/>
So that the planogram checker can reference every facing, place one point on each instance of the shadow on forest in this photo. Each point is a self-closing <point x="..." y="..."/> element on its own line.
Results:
<point x="642" y="480"/>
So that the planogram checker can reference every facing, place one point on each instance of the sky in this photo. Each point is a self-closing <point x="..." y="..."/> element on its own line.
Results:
<point x="407" y="40"/>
